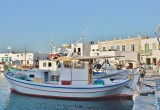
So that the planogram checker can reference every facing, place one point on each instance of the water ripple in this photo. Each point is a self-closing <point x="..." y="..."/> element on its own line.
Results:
<point x="11" y="101"/>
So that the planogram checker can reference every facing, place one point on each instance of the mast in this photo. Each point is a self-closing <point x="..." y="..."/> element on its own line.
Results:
<point x="25" y="54"/>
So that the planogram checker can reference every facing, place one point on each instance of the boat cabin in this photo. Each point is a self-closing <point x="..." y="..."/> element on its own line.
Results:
<point x="71" y="72"/>
<point x="76" y="73"/>
<point x="52" y="65"/>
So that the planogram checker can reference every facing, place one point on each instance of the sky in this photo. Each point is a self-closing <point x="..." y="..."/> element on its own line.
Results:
<point x="37" y="23"/>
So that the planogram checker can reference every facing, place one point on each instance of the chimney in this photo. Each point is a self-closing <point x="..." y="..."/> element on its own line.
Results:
<point x="159" y="28"/>
<point x="129" y="37"/>
<point x="120" y="38"/>
<point x="139" y="36"/>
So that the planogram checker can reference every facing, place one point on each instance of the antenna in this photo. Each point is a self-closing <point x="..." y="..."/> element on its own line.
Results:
<point x="78" y="40"/>
<point x="25" y="54"/>
<point x="9" y="48"/>
<point x="86" y="29"/>
<point x="158" y="36"/>
<point x="53" y="46"/>
<point x="159" y="28"/>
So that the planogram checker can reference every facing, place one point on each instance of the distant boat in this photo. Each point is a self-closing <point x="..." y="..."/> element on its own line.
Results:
<point x="104" y="69"/>
<point x="2" y="66"/>
<point x="75" y="81"/>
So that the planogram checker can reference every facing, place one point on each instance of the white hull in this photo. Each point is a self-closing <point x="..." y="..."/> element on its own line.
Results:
<point x="61" y="91"/>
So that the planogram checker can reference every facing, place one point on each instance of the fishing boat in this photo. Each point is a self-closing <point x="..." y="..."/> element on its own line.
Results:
<point x="108" y="73"/>
<point x="104" y="69"/>
<point x="75" y="81"/>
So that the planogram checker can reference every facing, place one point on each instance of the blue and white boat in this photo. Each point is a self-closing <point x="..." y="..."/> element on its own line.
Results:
<point x="74" y="81"/>
<point x="104" y="69"/>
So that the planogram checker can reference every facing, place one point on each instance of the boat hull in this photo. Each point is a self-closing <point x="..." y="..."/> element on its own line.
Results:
<point x="67" y="91"/>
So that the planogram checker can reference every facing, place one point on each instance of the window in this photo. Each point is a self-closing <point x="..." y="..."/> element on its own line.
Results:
<point x="27" y="61"/>
<point x="58" y="64"/>
<point x="2" y="59"/>
<point x="154" y="47"/>
<point x="117" y="48"/>
<point x="67" y="64"/>
<point x="123" y="47"/>
<point x="78" y="64"/>
<point x="74" y="49"/>
<point x="55" y="78"/>
<point x="44" y="64"/>
<point x="93" y="50"/>
<point x="146" y="47"/>
<point x="6" y="59"/>
<point x="79" y="49"/>
<point x="104" y="48"/>
<point x="31" y="75"/>
<point x="112" y="47"/>
<point x="132" y="47"/>
<point x="49" y="64"/>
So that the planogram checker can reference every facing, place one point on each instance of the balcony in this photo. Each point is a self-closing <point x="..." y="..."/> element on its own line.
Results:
<point x="146" y="52"/>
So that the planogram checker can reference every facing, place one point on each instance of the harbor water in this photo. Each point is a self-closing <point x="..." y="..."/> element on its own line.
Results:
<point x="12" y="101"/>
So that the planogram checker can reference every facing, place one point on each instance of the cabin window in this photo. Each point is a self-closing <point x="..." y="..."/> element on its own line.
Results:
<point x="78" y="64"/>
<point x="21" y="62"/>
<point x="6" y="59"/>
<point x="55" y="78"/>
<point x="67" y="64"/>
<point x="44" y="64"/>
<point x="49" y="64"/>
<point x="58" y="63"/>
<point x="27" y="61"/>
<point x="2" y="59"/>
<point x="31" y="75"/>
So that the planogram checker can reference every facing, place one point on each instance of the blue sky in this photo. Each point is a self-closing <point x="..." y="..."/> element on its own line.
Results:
<point x="38" y="22"/>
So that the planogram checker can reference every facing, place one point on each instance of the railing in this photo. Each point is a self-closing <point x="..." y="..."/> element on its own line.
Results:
<point x="146" y="52"/>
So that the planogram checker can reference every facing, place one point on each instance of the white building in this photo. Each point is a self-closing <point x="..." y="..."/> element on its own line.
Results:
<point x="10" y="58"/>
<point x="150" y="52"/>
<point x="80" y="49"/>
<point x="94" y="50"/>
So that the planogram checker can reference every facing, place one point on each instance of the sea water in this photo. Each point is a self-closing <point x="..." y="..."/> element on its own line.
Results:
<point x="12" y="101"/>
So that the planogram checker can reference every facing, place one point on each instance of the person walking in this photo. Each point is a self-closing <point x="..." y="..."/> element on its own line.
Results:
<point x="158" y="64"/>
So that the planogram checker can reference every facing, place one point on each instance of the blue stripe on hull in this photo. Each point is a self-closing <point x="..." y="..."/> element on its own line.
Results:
<point x="13" y="79"/>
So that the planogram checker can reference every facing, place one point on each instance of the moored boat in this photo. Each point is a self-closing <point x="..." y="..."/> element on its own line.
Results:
<point x="74" y="81"/>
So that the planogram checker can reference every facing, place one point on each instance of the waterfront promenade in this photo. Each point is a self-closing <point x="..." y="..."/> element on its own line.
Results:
<point x="148" y="93"/>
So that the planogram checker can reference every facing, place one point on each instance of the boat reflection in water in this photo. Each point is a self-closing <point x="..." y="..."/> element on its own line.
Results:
<point x="21" y="102"/>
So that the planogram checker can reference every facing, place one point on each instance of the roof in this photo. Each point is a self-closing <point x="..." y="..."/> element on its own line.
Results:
<point x="94" y="57"/>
